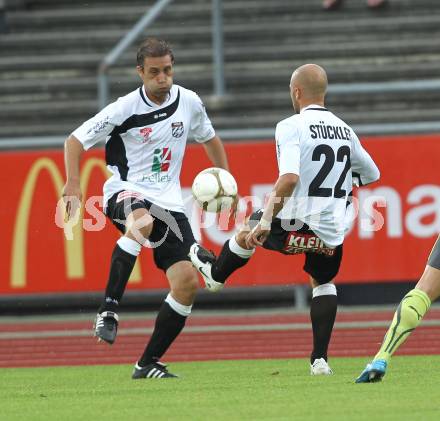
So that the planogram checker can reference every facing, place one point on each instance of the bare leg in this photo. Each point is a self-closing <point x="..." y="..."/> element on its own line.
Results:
<point x="429" y="283"/>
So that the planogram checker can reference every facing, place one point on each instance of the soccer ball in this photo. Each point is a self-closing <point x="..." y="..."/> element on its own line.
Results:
<point x="214" y="189"/>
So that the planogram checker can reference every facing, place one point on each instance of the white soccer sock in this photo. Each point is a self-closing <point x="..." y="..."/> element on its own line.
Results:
<point x="238" y="250"/>
<point x="324" y="289"/>
<point x="130" y="246"/>
<point x="177" y="307"/>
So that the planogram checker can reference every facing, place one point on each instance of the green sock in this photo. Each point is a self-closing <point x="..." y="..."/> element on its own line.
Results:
<point x="407" y="317"/>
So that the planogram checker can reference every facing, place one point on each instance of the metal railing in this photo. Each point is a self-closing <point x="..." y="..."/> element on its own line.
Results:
<point x="385" y="87"/>
<point x="240" y="134"/>
<point x="219" y="88"/>
<point x="128" y="39"/>
<point x="147" y="19"/>
<point x="269" y="132"/>
<point x="217" y="48"/>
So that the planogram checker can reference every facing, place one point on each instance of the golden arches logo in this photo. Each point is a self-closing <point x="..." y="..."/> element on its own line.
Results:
<point x="74" y="249"/>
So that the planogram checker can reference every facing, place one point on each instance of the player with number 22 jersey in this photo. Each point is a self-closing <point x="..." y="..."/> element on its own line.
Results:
<point x="325" y="153"/>
<point x="319" y="159"/>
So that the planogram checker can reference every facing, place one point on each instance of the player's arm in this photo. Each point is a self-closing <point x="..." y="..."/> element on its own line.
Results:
<point x="288" y="157"/>
<point x="203" y="132"/>
<point x="216" y="152"/>
<point x="364" y="170"/>
<point x="73" y="150"/>
<point x="88" y="134"/>
<point x="281" y="192"/>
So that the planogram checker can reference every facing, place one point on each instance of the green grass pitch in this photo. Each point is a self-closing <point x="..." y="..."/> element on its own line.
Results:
<point x="224" y="390"/>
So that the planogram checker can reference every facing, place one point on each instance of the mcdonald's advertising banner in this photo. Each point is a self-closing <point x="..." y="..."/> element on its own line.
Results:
<point x="398" y="219"/>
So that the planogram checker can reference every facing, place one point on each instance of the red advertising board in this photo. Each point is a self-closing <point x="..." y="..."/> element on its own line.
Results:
<point x="36" y="258"/>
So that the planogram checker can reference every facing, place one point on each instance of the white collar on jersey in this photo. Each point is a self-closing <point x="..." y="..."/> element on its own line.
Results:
<point x="149" y="102"/>
<point x="320" y="107"/>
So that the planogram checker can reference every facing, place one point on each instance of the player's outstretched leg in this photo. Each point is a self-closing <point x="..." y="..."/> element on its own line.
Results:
<point x="122" y="263"/>
<point x="407" y="317"/>
<point x="215" y="271"/>
<point x="203" y="259"/>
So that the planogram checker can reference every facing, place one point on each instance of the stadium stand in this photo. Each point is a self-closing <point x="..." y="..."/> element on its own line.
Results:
<point x="49" y="58"/>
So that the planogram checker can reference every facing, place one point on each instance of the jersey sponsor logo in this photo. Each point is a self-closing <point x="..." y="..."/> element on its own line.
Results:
<point x="177" y="129"/>
<point x="161" y="160"/>
<point x="297" y="243"/>
<point x="99" y="126"/>
<point x="145" y="133"/>
<point x="156" y="177"/>
<point x="160" y="167"/>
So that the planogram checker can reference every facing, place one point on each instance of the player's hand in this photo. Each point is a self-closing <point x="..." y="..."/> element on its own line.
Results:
<point x="234" y="207"/>
<point x="72" y="197"/>
<point x="257" y="236"/>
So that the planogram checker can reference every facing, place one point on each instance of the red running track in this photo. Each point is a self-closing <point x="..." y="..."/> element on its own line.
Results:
<point x="206" y="337"/>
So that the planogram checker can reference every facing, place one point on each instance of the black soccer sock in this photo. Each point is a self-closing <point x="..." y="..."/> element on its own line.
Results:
<point x="168" y="325"/>
<point x="121" y="266"/>
<point x="227" y="263"/>
<point x="323" y="313"/>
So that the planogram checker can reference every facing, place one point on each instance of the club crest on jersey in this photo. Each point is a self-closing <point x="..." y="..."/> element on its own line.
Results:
<point x="177" y="129"/>
<point x="145" y="133"/>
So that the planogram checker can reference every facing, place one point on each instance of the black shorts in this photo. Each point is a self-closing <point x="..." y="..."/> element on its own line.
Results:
<point x="321" y="262"/>
<point x="171" y="237"/>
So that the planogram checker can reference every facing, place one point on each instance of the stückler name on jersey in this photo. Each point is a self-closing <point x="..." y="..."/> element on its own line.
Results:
<point x="325" y="131"/>
<point x="156" y="178"/>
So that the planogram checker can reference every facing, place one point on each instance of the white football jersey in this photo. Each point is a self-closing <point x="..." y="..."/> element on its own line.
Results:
<point x="145" y="142"/>
<point x="326" y="154"/>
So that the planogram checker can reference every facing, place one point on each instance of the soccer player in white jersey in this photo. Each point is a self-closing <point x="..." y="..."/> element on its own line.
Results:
<point x="319" y="158"/>
<point x="146" y="133"/>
